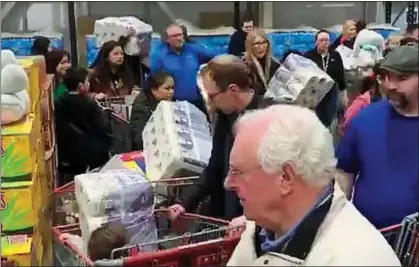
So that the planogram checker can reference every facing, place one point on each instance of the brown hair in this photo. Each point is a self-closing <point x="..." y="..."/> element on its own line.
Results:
<point x="250" y="40"/>
<point x="228" y="69"/>
<point x="53" y="58"/>
<point x="105" y="239"/>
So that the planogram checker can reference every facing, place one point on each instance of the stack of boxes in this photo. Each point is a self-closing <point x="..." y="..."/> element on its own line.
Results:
<point x="26" y="182"/>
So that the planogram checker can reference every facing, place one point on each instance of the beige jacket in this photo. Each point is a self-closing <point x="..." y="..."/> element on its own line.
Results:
<point x="345" y="238"/>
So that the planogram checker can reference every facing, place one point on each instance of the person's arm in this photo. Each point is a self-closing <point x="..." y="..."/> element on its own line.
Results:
<point x="204" y="54"/>
<point x="140" y="115"/>
<point x="357" y="105"/>
<point x="208" y="180"/>
<point x="348" y="160"/>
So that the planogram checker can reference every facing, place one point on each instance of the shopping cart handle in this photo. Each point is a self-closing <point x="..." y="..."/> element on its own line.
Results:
<point x="117" y="262"/>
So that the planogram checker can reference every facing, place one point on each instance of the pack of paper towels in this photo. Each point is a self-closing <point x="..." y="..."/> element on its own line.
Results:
<point x="15" y="103"/>
<point x="177" y="141"/>
<point x="299" y="81"/>
<point x="116" y="196"/>
<point x="112" y="28"/>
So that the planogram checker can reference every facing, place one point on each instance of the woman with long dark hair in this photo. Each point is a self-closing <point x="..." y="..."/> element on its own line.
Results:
<point x="111" y="76"/>
<point x="158" y="87"/>
<point x="57" y="62"/>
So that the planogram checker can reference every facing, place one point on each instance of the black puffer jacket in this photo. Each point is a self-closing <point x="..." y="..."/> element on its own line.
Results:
<point x="142" y="108"/>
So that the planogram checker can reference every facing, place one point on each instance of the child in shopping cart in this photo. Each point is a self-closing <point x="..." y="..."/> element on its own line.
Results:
<point x="102" y="241"/>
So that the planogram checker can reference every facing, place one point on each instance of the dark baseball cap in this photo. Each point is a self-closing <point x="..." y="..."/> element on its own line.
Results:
<point x="402" y="60"/>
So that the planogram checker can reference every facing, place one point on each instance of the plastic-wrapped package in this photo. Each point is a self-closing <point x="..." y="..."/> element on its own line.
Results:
<point x="15" y="102"/>
<point x="112" y="28"/>
<point x="113" y="192"/>
<point x="116" y="196"/>
<point x="140" y="228"/>
<point x="177" y="141"/>
<point x="299" y="81"/>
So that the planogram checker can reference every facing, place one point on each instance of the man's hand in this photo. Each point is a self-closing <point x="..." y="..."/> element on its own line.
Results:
<point x="238" y="221"/>
<point x="100" y="96"/>
<point x="237" y="226"/>
<point x="344" y="99"/>
<point x="175" y="211"/>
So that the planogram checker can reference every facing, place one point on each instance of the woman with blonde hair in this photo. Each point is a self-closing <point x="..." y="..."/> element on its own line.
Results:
<point x="258" y="57"/>
<point x="347" y="38"/>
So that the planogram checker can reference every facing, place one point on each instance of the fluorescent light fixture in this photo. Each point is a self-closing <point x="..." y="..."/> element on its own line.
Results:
<point x="339" y="5"/>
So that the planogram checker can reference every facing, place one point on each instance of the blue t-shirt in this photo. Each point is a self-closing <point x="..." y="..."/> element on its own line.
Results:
<point x="381" y="146"/>
<point x="183" y="67"/>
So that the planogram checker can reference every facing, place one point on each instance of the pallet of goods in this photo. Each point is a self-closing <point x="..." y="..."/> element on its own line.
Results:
<point x="25" y="189"/>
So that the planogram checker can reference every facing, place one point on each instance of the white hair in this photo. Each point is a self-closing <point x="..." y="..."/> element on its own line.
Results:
<point x="295" y="135"/>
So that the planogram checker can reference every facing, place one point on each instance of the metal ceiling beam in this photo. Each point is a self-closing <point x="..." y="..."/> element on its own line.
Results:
<point x="166" y="9"/>
<point x="6" y="8"/>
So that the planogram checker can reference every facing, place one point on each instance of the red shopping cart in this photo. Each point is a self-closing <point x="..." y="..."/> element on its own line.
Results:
<point x="404" y="238"/>
<point x="191" y="240"/>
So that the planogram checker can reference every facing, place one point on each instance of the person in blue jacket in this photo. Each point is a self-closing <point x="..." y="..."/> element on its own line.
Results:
<point x="182" y="61"/>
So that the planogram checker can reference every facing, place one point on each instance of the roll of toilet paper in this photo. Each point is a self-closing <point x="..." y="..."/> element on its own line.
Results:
<point x="112" y="28"/>
<point x="114" y="192"/>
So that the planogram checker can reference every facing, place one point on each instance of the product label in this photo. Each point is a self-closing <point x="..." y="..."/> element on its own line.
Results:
<point x="2" y="147"/>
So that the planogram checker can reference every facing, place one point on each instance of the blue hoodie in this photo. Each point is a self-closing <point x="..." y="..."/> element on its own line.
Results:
<point x="183" y="67"/>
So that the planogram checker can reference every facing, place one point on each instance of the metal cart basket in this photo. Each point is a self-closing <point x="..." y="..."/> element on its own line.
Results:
<point x="404" y="238"/>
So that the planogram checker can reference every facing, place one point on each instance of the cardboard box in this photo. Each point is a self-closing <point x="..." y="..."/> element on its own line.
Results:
<point x="48" y="135"/>
<point x="18" y="146"/>
<point x="32" y="70"/>
<point x="16" y="249"/>
<point x="39" y="61"/>
<point x="47" y="100"/>
<point x="17" y="211"/>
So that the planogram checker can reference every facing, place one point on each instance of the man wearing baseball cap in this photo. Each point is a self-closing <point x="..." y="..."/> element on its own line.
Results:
<point x="380" y="147"/>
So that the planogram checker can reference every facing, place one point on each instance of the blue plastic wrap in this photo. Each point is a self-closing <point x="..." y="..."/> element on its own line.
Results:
<point x="281" y="42"/>
<point x="21" y="46"/>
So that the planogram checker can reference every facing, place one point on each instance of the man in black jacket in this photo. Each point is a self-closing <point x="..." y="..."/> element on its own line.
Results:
<point x="238" y="39"/>
<point x="227" y="83"/>
<point x="331" y="62"/>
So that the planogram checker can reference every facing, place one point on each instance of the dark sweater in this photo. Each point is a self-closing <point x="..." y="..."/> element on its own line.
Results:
<point x="237" y="43"/>
<point x="335" y="68"/>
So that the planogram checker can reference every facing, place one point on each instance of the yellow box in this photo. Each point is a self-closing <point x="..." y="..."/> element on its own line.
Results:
<point x="17" y="206"/>
<point x="16" y="249"/>
<point x="32" y="71"/>
<point x="39" y="61"/>
<point x="18" y="147"/>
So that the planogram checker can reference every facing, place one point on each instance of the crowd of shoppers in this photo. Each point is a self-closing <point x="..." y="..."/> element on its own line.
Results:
<point x="317" y="203"/>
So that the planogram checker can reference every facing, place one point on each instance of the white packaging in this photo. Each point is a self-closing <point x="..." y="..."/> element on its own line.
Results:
<point x="141" y="229"/>
<point x="114" y="192"/>
<point x="299" y="81"/>
<point x="112" y="28"/>
<point x="177" y="141"/>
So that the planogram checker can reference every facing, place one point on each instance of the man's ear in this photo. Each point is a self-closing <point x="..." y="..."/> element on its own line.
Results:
<point x="288" y="172"/>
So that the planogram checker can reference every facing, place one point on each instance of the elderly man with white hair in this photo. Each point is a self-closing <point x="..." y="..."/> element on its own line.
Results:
<point x="282" y="168"/>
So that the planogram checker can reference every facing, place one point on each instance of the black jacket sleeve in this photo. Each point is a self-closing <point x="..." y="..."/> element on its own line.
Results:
<point x="140" y="115"/>
<point x="340" y="79"/>
<point x="207" y="182"/>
